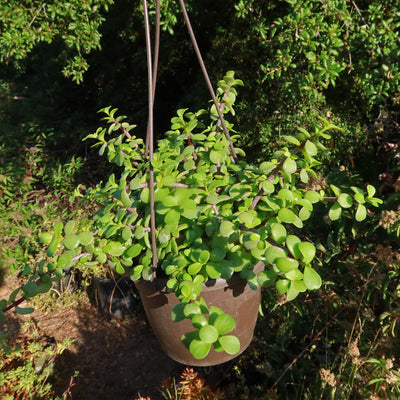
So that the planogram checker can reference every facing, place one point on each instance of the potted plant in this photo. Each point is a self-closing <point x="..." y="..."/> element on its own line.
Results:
<point x="220" y="223"/>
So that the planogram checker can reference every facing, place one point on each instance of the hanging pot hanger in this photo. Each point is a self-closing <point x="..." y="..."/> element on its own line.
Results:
<point x="152" y="65"/>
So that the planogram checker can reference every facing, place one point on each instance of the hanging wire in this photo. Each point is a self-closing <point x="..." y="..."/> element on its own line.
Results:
<point x="150" y="135"/>
<point x="206" y="77"/>
<point x="155" y="64"/>
<point x="152" y="77"/>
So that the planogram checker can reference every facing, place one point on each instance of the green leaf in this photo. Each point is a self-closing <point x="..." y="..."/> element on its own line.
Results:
<point x="299" y="285"/>
<point x="133" y="250"/>
<point x="286" y="215"/>
<point x="135" y="183"/>
<point x="58" y="228"/>
<point x="371" y="190"/>
<point x="286" y="194"/>
<point x="168" y="180"/>
<point x="246" y="218"/>
<point x="359" y="198"/>
<point x="224" y="324"/>
<point x="126" y="201"/>
<point x="217" y="157"/>
<point x="71" y="241"/>
<point x="29" y="289"/>
<point x="114" y="248"/>
<point x="145" y="195"/>
<point x="44" y="286"/>
<point x="217" y="254"/>
<point x="289" y="166"/>
<point x="304" y="214"/>
<point x="69" y="227"/>
<point x="286" y="264"/>
<point x="345" y="200"/>
<point x="139" y="232"/>
<point x="191" y="309"/>
<point x="361" y="212"/>
<point x="119" y="268"/>
<point x="272" y="253"/>
<point x="169" y="201"/>
<point x="292" y="243"/>
<point x="55" y="242"/>
<point x="208" y="334"/>
<point x="101" y="258"/>
<point x="126" y="233"/>
<point x="199" y="320"/>
<point x="64" y="261"/>
<point x="311" y="278"/>
<point x="230" y="344"/>
<point x="291" y="139"/>
<point x="177" y="313"/>
<point x="294" y="275"/>
<point x="267" y="187"/>
<point x="45" y="238"/>
<point x="335" y="212"/>
<point x="86" y="238"/>
<point x="111" y="229"/>
<point x="307" y="250"/>
<point x="304" y="175"/>
<point x="292" y="292"/>
<point x="164" y="235"/>
<point x="335" y="190"/>
<point x="226" y="228"/>
<point x="172" y="217"/>
<point x="282" y="286"/>
<point x="199" y="349"/>
<point x="312" y="196"/>
<point x="188" y="165"/>
<point x="24" y="311"/>
<point x="172" y="285"/>
<point x="267" y="277"/>
<point x="311" y="148"/>
<point x="278" y="232"/>
<point x="213" y="270"/>
<point x="194" y="268"/>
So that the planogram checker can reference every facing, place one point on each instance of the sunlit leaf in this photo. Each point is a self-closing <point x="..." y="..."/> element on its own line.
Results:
<point x="230" y="344"/>
<point x="311" y="278"/>
<point x="224" y="324"/>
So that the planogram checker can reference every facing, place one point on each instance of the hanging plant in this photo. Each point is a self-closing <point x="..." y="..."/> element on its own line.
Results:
<point x="215" y="215"/>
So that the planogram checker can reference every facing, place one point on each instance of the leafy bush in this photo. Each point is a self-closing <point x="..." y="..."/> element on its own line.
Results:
<point x="27" y="364"/>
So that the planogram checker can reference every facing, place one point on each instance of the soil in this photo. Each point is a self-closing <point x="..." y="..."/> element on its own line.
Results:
<point x="115" y="358"/>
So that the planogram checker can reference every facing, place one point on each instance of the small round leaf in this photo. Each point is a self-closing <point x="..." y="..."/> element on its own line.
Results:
<point x="286" y="264"/>
<point x="230" y="344"/>
<point x="361" y="212"/>
<point x="311" y="278"/>
<point x="307" y="250"/>
<point x="86" y="238"/>
<point x="286" y="215"/>
<point x="208" y="334"/>
<point x="71" y="241"/>
<point x="224" y="324"/>
<point x="289" y="166"/>
<point x="199" y="349"/>
<point x="64" y="261"/>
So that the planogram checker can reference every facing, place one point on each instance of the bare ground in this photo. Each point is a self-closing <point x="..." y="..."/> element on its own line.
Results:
<point x="115" y="359"/>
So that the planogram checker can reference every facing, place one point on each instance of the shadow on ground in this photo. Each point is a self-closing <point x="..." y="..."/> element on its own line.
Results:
<point x="115" y="358"/>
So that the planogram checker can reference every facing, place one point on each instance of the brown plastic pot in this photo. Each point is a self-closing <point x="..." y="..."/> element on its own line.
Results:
<point x="234" y="297"/>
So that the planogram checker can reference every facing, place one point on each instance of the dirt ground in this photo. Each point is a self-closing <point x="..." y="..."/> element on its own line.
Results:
<point x="115" y="359"/>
